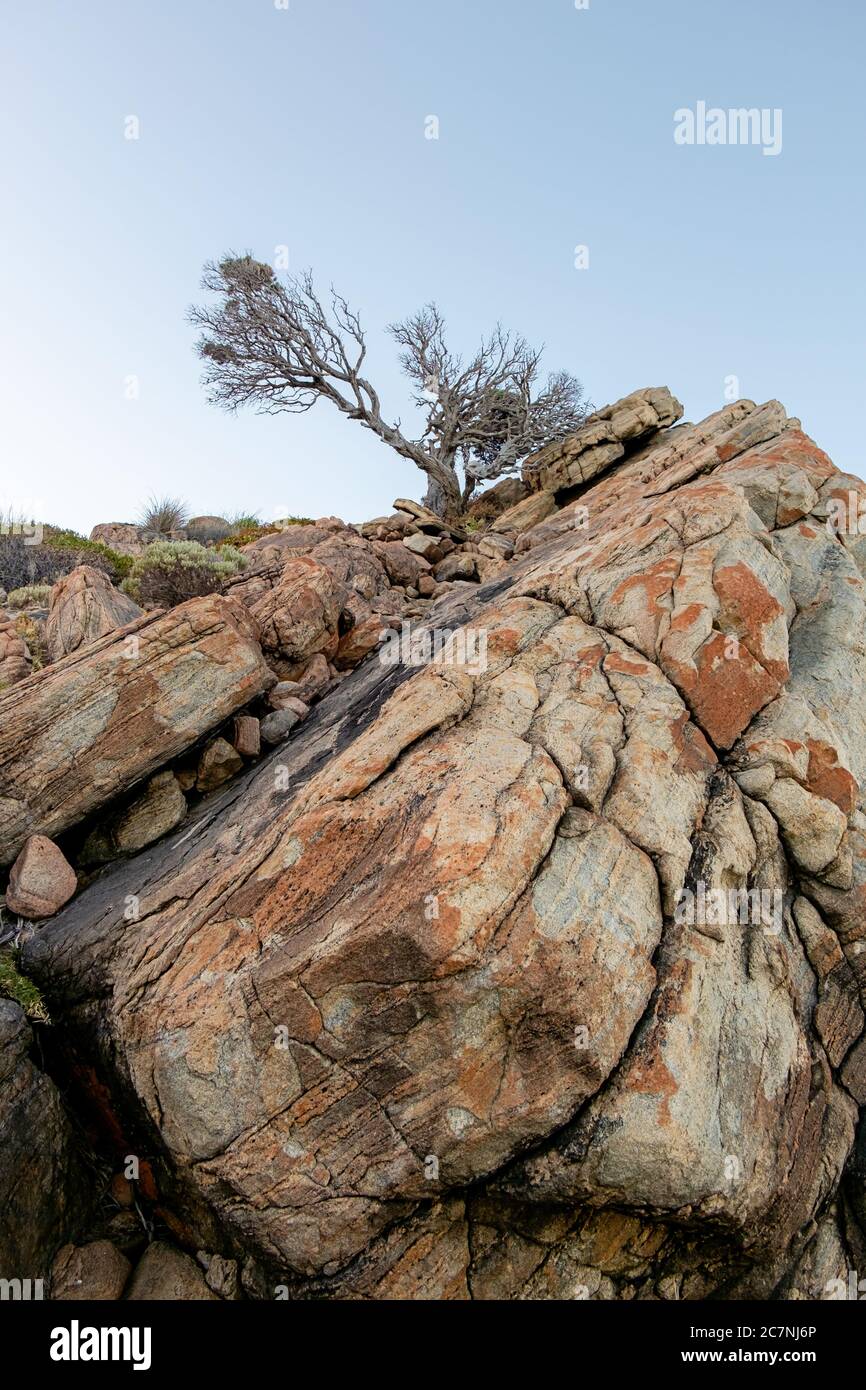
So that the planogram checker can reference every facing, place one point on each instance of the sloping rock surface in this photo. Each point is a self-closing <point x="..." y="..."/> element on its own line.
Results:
<point x="420" y="1007"/>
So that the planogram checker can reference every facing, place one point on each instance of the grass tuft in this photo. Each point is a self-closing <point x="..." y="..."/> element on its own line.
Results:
<point x="15" y="986"/>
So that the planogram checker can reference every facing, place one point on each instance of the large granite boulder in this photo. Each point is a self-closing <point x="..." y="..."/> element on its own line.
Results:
<point x="534" y="970"/>
<point x="123" y="536"/>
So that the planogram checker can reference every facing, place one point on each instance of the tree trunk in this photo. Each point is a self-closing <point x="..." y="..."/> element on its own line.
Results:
<point x="434" y="497"/>
<point x="443" y="492"/>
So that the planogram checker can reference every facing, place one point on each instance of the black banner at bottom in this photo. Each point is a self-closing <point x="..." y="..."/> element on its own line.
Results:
<point x="81" y="1339"/>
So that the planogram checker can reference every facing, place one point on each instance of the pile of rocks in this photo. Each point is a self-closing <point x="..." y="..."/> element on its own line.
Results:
<point x="195" y="693"/>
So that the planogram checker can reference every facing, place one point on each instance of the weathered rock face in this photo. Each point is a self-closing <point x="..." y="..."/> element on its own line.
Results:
<point x="497" y="499"/>
<point x="322" y="593"/>
<point x="44" y="1187"/>
<point x="121" y="536"/>
<point x="402" y="565"/>
<point x="83" y="607"/>
<point x="537" y="972"/>
<point x="15" y="659"/>
<point x="526" y="514"/>
<point x="85" y="729"/>
<point x="601" y="441"/>
<point x="299" y="617"/>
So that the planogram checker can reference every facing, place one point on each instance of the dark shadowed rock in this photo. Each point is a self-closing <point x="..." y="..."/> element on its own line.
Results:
<point x="219" y="761"/>
<point x="97" y="1270"/>
<point x="45" y="1191"/>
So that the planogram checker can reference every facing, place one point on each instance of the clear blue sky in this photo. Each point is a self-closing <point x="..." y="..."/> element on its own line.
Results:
<point x="262" y="126"/>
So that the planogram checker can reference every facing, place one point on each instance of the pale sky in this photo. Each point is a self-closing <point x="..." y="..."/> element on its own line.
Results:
<point x="262" y="126"/>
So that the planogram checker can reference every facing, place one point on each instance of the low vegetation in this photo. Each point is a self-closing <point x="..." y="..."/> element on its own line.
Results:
<point x="30" y="596"/>
<point x="160" y="516"/>
<point x="170" y="572"/>
<point x="87" y="552"/>
<point x="15" y="986"/>
<point x="25" y="561"/>
<point x="32" y="634"/>
<point x="33" y="559"/>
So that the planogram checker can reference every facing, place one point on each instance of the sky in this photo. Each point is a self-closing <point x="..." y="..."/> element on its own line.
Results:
<point x="712" y="269"/>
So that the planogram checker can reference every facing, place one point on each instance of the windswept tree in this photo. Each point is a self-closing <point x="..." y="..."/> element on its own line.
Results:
<point x="272" y="344"/>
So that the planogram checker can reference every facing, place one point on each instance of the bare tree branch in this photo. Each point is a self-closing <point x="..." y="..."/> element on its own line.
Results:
<point x="274" y="346"/>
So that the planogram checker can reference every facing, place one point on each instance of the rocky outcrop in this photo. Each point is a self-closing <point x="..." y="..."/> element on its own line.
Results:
<point x="82" y="731"/>
<point x="601" y="441"/>
<point x="427" y="520"/>
<point x="535" y="971"/>
<point x="402" y="564"/>
<point x="500" y="498"/>
<point x="83" y="607"/>
<point x="322" y="593"/>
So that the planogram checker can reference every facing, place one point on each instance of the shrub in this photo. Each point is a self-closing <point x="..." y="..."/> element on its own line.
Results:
<point x="58" y="552"/>
<point x="170" y="572"/>
<point x="17" y="987"/>
<point x="252" y="533"/>
<point x="244" y="521"/>
<point x="87" y="552"/>
<point x="161" y="515"/>
<point x="30" y="596"/>
<point x="32" y="634"/>
<point x="22" y="564"/>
